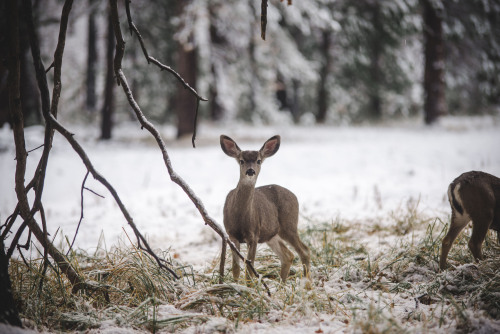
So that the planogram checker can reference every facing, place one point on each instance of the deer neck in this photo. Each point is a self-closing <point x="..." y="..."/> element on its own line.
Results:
<point x="245" y="192"/>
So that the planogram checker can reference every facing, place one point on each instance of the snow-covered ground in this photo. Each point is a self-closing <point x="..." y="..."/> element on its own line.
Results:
<point x="351" y="172"/>
<point x="356" y="173"/>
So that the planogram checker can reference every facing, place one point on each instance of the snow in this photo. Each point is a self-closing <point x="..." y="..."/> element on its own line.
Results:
<point x="357" y="173"/>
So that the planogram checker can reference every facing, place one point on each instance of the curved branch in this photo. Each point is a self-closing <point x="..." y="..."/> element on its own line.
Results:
<point x="156" y="134"/>
<point x="86" y="161"/>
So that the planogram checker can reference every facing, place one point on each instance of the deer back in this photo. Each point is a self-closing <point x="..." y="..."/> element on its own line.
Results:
<point x="476" y="194"/>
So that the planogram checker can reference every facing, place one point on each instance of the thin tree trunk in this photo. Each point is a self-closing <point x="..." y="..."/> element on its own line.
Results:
<point x="91" y="100"/>
<point x="375" y="100"/>
<point x="29" y="91"/>
<point x="216" y="110"/>
<point x="434" y="84"/>
<point x="323" y="77"/>
<point x="185" y="104"/>
<point x="109" y="98"/>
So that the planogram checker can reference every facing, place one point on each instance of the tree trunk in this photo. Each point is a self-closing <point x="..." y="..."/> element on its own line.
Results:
<point x="323" y="77"/>
<point x="29" y="90"/>
<point x="8" y="310"/>
<point x="217" y="41"/>
<point x="375" y="100"/>
<point x="185" y="103"/>
<point x="91" y="100"/>
<point x="434" y="84"/>
<point x="109" y="98"/>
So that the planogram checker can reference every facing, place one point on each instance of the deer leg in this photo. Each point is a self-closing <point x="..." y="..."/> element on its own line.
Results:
<point x="252" y="251"/>
<point x="479" y="230"/>
<point x="302" y="250"/>
<point x="458" y="222"/>
<point x="236" y="261"/>
<point x="284" y="254"/>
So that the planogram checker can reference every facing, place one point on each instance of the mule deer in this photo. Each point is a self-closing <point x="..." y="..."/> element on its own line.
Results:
<point x="265" y="214"/>
<point x="474" y="196"/>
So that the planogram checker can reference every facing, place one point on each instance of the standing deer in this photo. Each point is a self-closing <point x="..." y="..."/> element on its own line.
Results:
<point x="265" y="214"/>
<point x="474" y="196"/>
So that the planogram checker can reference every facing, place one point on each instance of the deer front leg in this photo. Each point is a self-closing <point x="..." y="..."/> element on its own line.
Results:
<point x="252" y="251"/>
<point x="236" y="261"/>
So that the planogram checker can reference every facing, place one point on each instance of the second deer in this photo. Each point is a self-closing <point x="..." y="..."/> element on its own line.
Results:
<point x="474" y="196"/>
<point x="265" y="214"/>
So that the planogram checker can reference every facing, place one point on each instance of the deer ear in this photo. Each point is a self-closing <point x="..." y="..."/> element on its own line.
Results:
<point x="270" y="147"/>
<point x="229" y="146"/>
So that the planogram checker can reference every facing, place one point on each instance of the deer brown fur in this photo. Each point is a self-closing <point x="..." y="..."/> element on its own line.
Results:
<point x="264" y="214"/>
<point x="474" y="196"/>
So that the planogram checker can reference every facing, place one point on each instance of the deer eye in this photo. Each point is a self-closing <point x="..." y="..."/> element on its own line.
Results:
<point x="259" y="162"/>
<point x="242" y="162"/>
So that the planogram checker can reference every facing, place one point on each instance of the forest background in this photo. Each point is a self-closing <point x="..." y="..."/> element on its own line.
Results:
<point x="324" y="61"/>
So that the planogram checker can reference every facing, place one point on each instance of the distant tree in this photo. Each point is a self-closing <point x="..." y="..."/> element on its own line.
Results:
<point x="370" y="66"/>
<point x="185" y="104"/>
<point x="472" y="30"/>
<point x="217" y="42"/>
<point x="325" y="71"/>
<point x="4" y="48"/>
<point x="434" y="54"/>
<point x="92" y="57"/>
<point x="109" y="98"/>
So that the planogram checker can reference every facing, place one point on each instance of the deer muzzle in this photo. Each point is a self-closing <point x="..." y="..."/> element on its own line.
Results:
<point x="250" y="172"/>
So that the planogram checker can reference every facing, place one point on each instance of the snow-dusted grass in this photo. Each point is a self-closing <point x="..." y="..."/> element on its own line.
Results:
<point x="373" y="211"/>
<point x="353" y="288"/>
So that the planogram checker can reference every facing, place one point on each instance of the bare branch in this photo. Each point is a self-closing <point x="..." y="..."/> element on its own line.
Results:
<point x="155" y="133"/>
<point x="178" y="76"/>
<point x="90" y="167"/>
<point x="133" y="29"/>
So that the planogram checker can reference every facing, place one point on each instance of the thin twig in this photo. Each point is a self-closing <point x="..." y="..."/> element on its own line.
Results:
<point x="93" y="192"/>
<point x="195" y="123"/>
<point x="178" y="76"/>
<point x="36" y="148"/>
<point x="133" y="29"/>
<point x="81" y="212"/>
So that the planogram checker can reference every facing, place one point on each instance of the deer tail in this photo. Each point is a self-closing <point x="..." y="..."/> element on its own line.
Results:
<point x="453" y="199"/>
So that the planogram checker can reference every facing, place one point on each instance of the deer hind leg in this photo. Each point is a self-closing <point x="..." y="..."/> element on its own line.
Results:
<point x="479" y="230"/>
<point x="284" y="254"/>
<point x="236" y="261"/>
<point x="458" y="222"/>
<point x="302" y="250"/>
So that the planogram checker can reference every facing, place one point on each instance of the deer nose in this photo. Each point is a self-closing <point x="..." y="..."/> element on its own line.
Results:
<point x="250" y="172"/>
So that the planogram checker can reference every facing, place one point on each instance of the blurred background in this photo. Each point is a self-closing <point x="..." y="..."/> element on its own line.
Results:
<point x="323" y="61"/>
